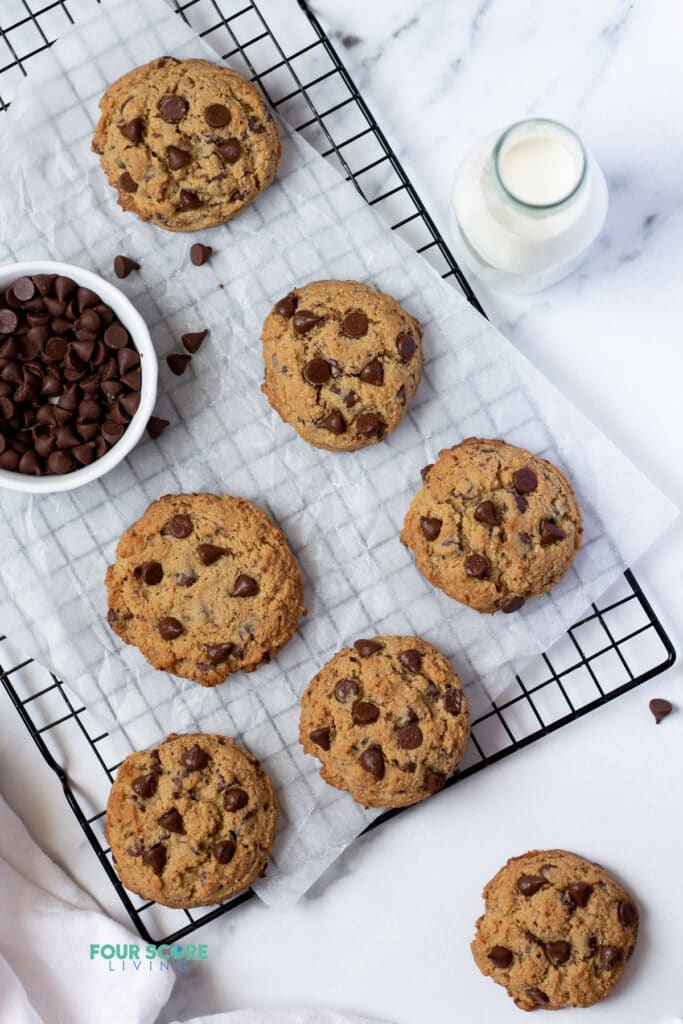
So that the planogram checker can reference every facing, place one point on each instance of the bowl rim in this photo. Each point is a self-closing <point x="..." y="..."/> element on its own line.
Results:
<point x="139" y="332"/>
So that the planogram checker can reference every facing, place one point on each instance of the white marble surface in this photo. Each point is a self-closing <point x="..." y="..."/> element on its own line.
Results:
<point x="386" y="934"/>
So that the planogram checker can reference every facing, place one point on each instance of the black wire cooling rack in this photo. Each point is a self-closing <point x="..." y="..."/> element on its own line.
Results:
<point x="621" y="642"/>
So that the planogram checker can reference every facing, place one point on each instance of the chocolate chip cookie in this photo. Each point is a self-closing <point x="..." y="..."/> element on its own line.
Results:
<point x="342" y="363"/>
<point x="186" y="143"/>
<point x="556" y="931"/>
<point x="388" y="719"/>
<point x="493" y="525"/>
<point x="191" y="822"/>
<point x="204" y="585"/>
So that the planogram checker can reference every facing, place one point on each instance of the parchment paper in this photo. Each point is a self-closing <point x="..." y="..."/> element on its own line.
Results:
<point x="342" y="513"/>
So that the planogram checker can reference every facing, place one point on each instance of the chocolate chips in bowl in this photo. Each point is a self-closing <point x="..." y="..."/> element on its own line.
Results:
<point x="78" y="376"/>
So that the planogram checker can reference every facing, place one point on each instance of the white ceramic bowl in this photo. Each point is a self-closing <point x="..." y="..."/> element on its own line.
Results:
<point x="137" y="328"/>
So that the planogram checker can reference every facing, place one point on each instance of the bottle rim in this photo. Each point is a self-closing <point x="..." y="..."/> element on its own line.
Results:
<point x="563" y="128"/>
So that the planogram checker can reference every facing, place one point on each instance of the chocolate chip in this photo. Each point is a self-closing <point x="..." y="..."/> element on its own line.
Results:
<point x="151" y="573"/>
<point x="660" y="708"/>
<point x="218" y="653"/>
<point x="172" y="821"/>
<point x="59" y="463"/>
<point x="133" y="130"/>
<point x="485" y="512"/>
<point x="127" y="358"/>
<point x="254" y="126"/>
<point x="411" y="660"/>
<point x="200" y="254"/>
<point x="178" y="363"/>
<point x="431" y="528"/>
<point x="364" y="713"/>
<point x="29" y="464"/>
<point x="210" y="553"/>
<point x="155" y="858"/>
<point x="367" y="647"/>
<point x="188" y="200"/>
<point x="435" y="781"/>
<point x="123" y="266"/>
<point x="346" y="689"/>
<point x="580" y="892"/>
<point x="321" y="738"/>
<point x="83" y="453"/>
<point x="373" y="373"/>
<point x="477" y="566"/>
<point x="145" y="785"/>
<point x="372" y="760"/>
<point x="611" y="956"/>
<point x="115" y="336"/>
<point x="177" y="158"/>
<point x="628" y="913"/>
<point x="530" y="884"/>
<point x="525" y="480"/>
<point x="286" y="308"/>
<point x="193" y="341"/>
<point x="317" y="371"/>
<point x="500" y="956"/>
<point x="304" y="320"/>
<point x="453" y="701"/>
<point x="9" y="321"/>
<point x="538" y="997"/>
<point x="334" y="422"/>
<point x="216" y="115"/>
<point x="156" y="426"/>
<point x="180" y="526"/>
<point x="368" y="425"/>
<point x="245" y="586"/>
<point x="511" y="604"/>
<point x="24" y="289"/>
<point x="409" y="737"/>
<point x="406" y="346"/>
<point x="230" y="150"/>
<point x="424" y="472"/>
<point x="170" y="628"/>
<point x="521" y="503"/>
<point x="112" y="431"/>
<point x="550" y="532"/>
<point x="173" y="108"/>
<point x="558" y="952"/>
<point x="224" y="851"/>
<point x="195" y="758"/>
<point x="235" y="799"/>
<point x="128" y="183"/>
<point x="355" y="324"/>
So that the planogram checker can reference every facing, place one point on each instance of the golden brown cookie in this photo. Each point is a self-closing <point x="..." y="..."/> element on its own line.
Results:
<point x="204" y="585"/>
<point x="557" y="930"/>
<point x="342" y="363"/>
<point x="493" y="525"/>
<point x="191" y="822"/>
<point x="388" y="719"/>
<point x="186" y="143"/>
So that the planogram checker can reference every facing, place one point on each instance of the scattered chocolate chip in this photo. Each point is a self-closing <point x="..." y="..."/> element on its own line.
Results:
<point x="452" y="701"/>
<point x="485" y="512"/>
<point x="580" y="892"/>
<point x="411" y="660"/>
<point x="558" y="952"/>
<point x="611" y="956"/>
<point x="628" y="913"/>
<point x="178" y="363"/>
<point x="173" y="108"/>
<point x="317" y="371"/>
<point x="304" y="320"/>
<point x="172" y="821"/>
<point x="500" y="956"/>
<point x="200" y="254"/>
<point x="511" y="604"/>
<point x="550" y="532"/>
<point x="170" y="628"/>
<point x="321" y="738"/>
<point x="145" y="785"/>
<point x="409" y="737"/>
<point x="406" y="346"/>
<point x="245" y="586"/>
<point x="193" y="341"/>
<point x="530" y="884"/>
<point x="538" y="997"/>
<point x="431" y="528"/>
<point x="156" y="426"/>
<point x="355" y="324"/>
<point x="124" y="266"/>
<point x="155" y="858"/>
<point x="151" y="573"/>
<point x="216" y="115"/>
<point x="224" y="851"/>
<point x="230" y="150"/>
<point x="368" y="425"/>
<point x="367" y="647"/>
<point x="133" y="130"/>
<point x="525" y="480"/>
<point x="372" y="760"/>
<point x="235" y="799"/>
<point x="660" y="708"/>
<point x="286" y="308"/>
<point x="364" y="713"/>
<point x="345" y="690"/>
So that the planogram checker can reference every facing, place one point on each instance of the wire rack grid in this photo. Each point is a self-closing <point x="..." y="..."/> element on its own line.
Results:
<point x="617" y="646"/>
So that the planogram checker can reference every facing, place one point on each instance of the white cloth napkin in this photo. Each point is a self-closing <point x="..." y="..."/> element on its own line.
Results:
<point x="280" y="1017"/>
<point x="46" y="927"/>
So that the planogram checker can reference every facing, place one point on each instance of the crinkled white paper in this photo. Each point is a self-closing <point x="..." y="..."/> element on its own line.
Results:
<point x="342" y="513"/>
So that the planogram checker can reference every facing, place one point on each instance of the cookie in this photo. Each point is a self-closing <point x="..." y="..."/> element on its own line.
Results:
<point x="493" y="525"/>
<point x="556" y="931"/>
<point x="204" y="585"/>
<point x="191" y="822"/>
<point x="186" y="144"/>
<point x="388" y="719"/>
<point x="342" y="363"/>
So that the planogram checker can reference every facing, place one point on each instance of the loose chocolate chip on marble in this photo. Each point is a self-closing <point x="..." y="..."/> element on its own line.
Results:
<point x="558" y="952"/>
<point x="304" y="320"/>
<point x="210" y="553"/>
<point x="128" y="183"/>
<point x="216" y="115"/>
<point x="550" y="532"/>
<point x="172" y="821"/>
<point x="170" y="628"/>
<point x="431" y="528"/>
<point x="477" y="567"/>
<point x="334" y="422"/>
<point x="525" y="480"/>
<point x="224" y="851"/>
<point x="245" y="586"/>
<point x="406" y="346"/>
<point x="179" y="526"/>
<point x="611" y="956"/>
<point x="580" y="892"/>
<point x="230" y="150"/>
<point x="660" y="708"/>
<point x="355" y="324"/>
<point x="409" y="737"/>
<point x="151" y="573"/>
<point x="156" y="426"/>
<point x="628" y="913"/>
<point x="218" y="653"/>
<point x="368" y="425"/>
<point x="528" y="885"/>
<point x="235" y="799"/>
<point x="373" y="373"/>
<point x="193" y="340"/>
<point x="317" y="371"/>
<point x="145" y="785"/>
<point x="345" y="690"/>
<point x="178" y="363"/>
<point x="286" y="308"/>
<point x="124" y="266"/>
<point x="364" y="713"/>
<point x="485" y="512"/>
<point x="188" y="200"/>
<point x="133" y="130"/>
<point x="195" y="758"/>
<point x="424" y="472"/>
<point x="411" y="660"/>
<point x="155" y="858"/>
<point x="173" y="108"/>
<point x="365" y="648"/>
<point x="511" y="604"/>
<point x="200" y="254"/>
<point x="539" y="997"/>
<point x="372" y="760"/>
<point x="321" y="738"/>
<point x="500" y="956"/>
<point x="177" y="158"/>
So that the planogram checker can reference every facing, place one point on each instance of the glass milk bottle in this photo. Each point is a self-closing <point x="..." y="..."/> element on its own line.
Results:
<point x="526" y="206"/>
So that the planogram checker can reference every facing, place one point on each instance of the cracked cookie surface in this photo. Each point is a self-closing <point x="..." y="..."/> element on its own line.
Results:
<point x="557" y="930"/>
<point x="186" y="143"/>
<point x="493" y="525"/>
<point x="204" y="585"/>
<point x="388" y="719"/>
<point x="342" y="363"/>
<point x="191" y="822"/>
